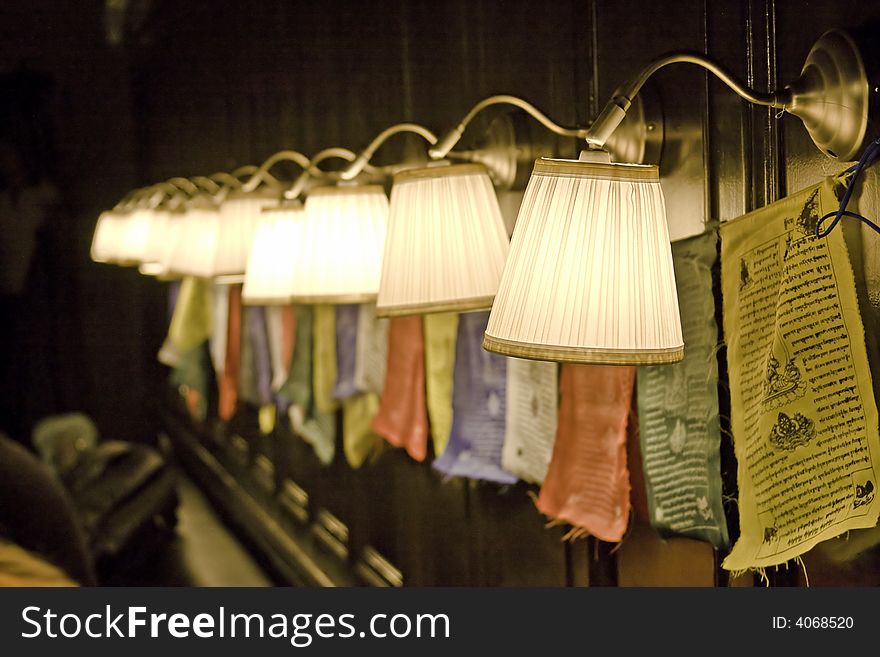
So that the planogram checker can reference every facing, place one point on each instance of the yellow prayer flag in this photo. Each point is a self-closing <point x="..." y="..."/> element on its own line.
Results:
<point x="803" y="414"/>
<point x="324" y="350"/>
<point x="440" y="334"/>
<point x="192" y="319"/>
<point x="358" y="439"/>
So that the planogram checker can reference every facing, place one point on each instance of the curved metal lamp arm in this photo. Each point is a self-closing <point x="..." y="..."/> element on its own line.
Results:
<point x="615" y="110"/>
<point x="131" y="199"/>
<point x="448" y="141"/>
<point x="229" y="180"/>
<point x="363" y="159"/>
<point x="312" y="169"/>
<point x="244" y="171"/>
<point x="262" y="173"/>
<point x="205" y="183"/>
<point x="156" y="193"/>
<point x="600" y="130"/>
<point x="237" y="177"/>
<point x="181" y="183"/>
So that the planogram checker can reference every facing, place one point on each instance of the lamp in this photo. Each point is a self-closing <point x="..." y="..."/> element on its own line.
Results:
<point x="285" y="261"/>
<point x="108" y="236"/>
<point x="213" y="236"/>
<point x="339" y="257"/>
<point x="161" y="235"/>
<point x="446" y="239"/>
<point x="240" y="206"/>
<point x="195" y="235"/>
<point x="589" y="277"/>
<point x="326" y="252"/>
<point x="271" y="263"/>
<point x="239" y="214"/>
<point x="162" y="242"/>
<point x="160" y="208"/>
<point x="831" y="97"/>
<point x="134" y="237"/>
<point x="446" y="242"/>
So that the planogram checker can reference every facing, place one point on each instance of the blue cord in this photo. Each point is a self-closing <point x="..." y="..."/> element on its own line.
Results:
<point x="870" y="154"/>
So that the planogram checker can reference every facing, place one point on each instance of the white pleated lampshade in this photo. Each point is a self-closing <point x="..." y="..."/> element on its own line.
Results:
<point x="240" y="212"/>
<point x="271" y="261"/>
<point x="157" y="234"/>
<point x="339" y="258"/>
<point x="108" y="237"/>
<point x="135" y="236"/>
<point x="446" y="243"/>
<point x="589" y="278"/>
<point x="164" y="234"/>
<point x="193" y="243"/>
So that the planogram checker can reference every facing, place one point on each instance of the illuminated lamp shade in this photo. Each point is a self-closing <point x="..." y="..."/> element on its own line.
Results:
<point x="240" y="212"/>
<point x="339" y="258"/>
<point x="271" y="262"/>
<point x="162" y="269"/>
<point x="156" y="242"/>
<point x="107" y="237"/>
<point x="131" y="237"/>
<point x="589" y="278"/>
<point x="446" y="242"/>
<point x="193" y="249"/>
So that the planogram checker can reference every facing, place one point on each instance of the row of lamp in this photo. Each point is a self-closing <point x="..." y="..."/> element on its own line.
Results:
<point x="587" y="276"/>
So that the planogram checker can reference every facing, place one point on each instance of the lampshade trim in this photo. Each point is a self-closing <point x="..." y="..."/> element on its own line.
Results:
<point x="596" y="170"/>
<point x="427" y="308"/>
<point x="330" y="190"/>
<point x="229" y="279"/>
<point x="332" y="299"/>
<point x="469" y="168"/>
<point x="599" y="356"/>
<point x="265" y="300"/>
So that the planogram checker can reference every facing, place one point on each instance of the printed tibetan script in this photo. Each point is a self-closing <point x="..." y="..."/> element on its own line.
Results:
<point x="678" y="410"/>
<point x="803" y="414"/>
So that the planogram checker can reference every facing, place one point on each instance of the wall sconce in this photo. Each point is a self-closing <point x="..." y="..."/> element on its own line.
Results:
<point x="108" y="235"/>
<point x="194" y="248"/>
<point x="125" y="234"/>
<point x="607" y="294"/>
<point x="271" y="264"/>
<point x="446" y="242"/>
<point x="142" y="228"/>
<point x="330" y="250"/>
<point x="213" y="237"/>
<point x="589" y="278"/>
<point x="156" y="242"/>
<point x="339" y="255"/>
<point x="240" y="210"/>
<point x="169" y="214"/>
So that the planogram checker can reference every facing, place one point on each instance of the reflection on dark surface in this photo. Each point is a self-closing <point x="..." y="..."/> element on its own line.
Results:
<point x="202" y="552"/>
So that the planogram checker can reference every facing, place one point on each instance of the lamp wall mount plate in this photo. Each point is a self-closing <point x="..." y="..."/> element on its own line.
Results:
<point x="831" y="96"/>
<point x="509" y="147"/>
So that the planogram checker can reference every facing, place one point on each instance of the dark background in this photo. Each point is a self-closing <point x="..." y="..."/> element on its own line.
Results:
<point x="97" y="102"/>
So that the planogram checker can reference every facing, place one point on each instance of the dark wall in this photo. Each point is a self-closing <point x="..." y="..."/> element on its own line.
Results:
<point x="82" y="337"/>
